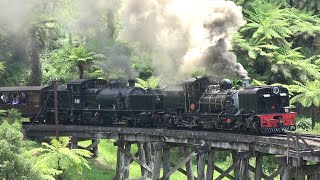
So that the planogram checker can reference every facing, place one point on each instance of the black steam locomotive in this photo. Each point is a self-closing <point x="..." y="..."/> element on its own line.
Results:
<point x="198" y="103"/>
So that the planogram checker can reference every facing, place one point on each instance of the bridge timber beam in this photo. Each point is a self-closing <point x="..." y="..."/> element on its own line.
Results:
<point x="154" y="151"/>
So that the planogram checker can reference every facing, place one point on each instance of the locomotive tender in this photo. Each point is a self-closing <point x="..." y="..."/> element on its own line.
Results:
<point x="198" y="103"/>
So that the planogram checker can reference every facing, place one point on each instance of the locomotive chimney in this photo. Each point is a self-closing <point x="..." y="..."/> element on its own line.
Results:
<point x="131" y="82"/>
<point x="115" y="84"/>
<point x="245" y="82"/>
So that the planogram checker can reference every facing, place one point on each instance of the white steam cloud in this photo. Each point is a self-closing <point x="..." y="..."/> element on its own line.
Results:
<point x="182" y="35"/>
<point x="185" y="34"/>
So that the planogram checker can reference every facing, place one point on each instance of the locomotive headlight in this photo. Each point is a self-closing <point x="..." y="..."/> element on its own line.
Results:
<point x="275" y="90"/>
<point x="286" y="109"/>
<point x="283" y="94"/>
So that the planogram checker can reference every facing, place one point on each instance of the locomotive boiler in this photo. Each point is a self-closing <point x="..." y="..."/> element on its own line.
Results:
<point x="219" y="98"/>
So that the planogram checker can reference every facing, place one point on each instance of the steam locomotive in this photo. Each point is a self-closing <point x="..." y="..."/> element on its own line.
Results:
<point x="198" y="103"/>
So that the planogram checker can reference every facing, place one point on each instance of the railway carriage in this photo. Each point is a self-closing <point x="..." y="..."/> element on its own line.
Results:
<point x="27" y="99"/>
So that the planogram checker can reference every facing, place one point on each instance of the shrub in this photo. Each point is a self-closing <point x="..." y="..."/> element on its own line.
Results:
<point x="304" y="123"/>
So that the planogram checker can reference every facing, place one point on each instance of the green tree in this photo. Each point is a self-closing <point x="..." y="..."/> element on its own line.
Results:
<point x="2" y="66"/>
<point x="57" y="159"/>
<point x="310" y="5"/>
<point x="82" y="58"/>
<point x="150" y="83"/>
<point x="14" y="164"/>
<point x="276" y="43"/>
<point x="142" y="63"/>
<point x="307" y="95"/>
<point x="66" y="62"/>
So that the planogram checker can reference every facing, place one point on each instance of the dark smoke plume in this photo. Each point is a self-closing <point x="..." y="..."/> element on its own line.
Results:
<point x="181" y="35"/>
<point x="185" y="35"/>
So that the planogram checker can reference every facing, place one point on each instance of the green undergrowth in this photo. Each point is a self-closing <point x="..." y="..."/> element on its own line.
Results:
<point x="304" y="125"/>
<point x="316" y="129"/>
<point x="103" y="167"/>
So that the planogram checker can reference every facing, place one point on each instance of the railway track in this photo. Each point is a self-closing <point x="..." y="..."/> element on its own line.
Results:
<point x="311" y="139"/>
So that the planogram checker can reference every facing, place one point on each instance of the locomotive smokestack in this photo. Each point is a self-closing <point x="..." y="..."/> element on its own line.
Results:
<point x="131" y="82"/>
<point x="245" y="82"/>
<point x="115" y="84"/>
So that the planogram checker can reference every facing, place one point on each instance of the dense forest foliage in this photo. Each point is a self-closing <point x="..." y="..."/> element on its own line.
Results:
<point x="278" y="41"/>
<point x="64" y="40"/>
<point x="25" y="159"/>
<point x="60" y="40"/>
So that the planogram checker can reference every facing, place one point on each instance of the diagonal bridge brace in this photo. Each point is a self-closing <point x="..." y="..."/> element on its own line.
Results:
<point x="184" y="161"/>
<point x="142" y="164"/>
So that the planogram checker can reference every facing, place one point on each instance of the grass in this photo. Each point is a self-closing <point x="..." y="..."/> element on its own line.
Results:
<point x="103" y="167"/>
<point x="316" y="129"/>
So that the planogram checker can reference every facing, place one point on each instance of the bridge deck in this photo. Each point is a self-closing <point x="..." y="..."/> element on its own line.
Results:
<point x="276" y="145"/>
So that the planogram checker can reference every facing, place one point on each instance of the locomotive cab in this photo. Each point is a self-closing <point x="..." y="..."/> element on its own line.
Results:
<point x="81" y="91"/>
<point x="82" y="96"/>
<point x="193" y="90"/>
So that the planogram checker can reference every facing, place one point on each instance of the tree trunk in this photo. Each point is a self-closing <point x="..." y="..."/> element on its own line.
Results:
<point x="313" y="115"/>
<point x="36" y="74"/>
<point x="35" y="67"/>
<point x="81" y="70"/>
<point x="110" y="29"/>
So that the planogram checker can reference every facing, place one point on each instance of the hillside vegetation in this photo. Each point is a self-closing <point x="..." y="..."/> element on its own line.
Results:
<point x="276" y="41"/>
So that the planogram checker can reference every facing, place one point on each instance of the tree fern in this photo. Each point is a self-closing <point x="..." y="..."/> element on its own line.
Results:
<point x="150" y="83"/>
<point x="82" y="58"/>
<point x="56" y="158"/>
<point x="307" y="94"/>
<point x="271" y="41"/>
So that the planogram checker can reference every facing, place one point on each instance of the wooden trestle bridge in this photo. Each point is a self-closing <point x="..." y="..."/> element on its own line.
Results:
<point x="298" y="155"/>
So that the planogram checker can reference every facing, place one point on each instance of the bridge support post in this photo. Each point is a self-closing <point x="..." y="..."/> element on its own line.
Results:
<point x="74" y="142"/>
<point x="210" y="164"/>
<point x="286" y="174"/>
<point x="189" y="170"/>
<point x="283" y="162"/>
<point x="201" y="165"/>
<point x="234" y="160"/>
<point x="120" y="160"/>
<point x="126" y="162"/>
<point x="299" y="174"/>
<point x="244" y="171"/>
<point x="95" y="149"/>
<point x="148" y="156"/>
<point x="166" y="160"/>
<point x="157" y="161"/>
<point x="242" y="158"/>
<point x="258" y="170"/>
<point x="142" y="158"/>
